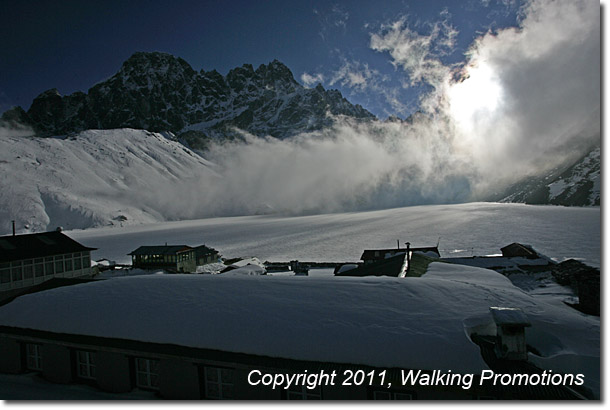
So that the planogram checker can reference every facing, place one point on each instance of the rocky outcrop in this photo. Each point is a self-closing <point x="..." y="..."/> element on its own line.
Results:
<point x="575" y="184"/>
<point x="160" y="92"/>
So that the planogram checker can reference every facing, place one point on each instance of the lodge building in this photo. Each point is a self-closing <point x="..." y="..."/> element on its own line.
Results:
<point x="31" y="259"/>
<point x="173" y="258"/>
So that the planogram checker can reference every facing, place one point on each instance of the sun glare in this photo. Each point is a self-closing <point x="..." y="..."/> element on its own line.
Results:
<point x="475" y="98"/>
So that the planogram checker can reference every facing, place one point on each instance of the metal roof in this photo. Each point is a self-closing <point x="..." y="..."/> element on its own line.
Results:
<point x="37" y="245"/>
<point x="379" y="253"/>
<point x="160" y="250"/>
<point x="393" y="266"/>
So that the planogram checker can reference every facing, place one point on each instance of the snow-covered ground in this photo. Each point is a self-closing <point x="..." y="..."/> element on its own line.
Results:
<point x="463" y="229"/>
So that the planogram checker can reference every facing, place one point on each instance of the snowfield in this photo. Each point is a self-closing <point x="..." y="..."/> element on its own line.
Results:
<point x="464" y="230"/>
<point x="422" y="323"/>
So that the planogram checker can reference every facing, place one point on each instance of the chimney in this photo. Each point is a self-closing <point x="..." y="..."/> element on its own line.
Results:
<point x="408" y="256"/>
<point x="510" y="336"/>
<point x="13" y="228"/>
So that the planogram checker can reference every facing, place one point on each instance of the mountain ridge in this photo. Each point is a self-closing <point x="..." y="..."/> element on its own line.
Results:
<point x="160" y="92"/>
<point x="574" y="184"/>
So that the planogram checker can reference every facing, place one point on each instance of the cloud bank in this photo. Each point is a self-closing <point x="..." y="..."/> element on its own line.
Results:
<point x="524" y="100"/>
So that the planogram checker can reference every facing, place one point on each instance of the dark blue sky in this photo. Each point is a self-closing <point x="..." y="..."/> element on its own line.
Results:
<point x="71" y="45"/>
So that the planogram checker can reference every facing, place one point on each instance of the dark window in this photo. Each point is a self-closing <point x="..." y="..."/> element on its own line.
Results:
<point x="33" y="356"/>
<point x="28" y="270"/>
<point x="48" y="266"/>
<point x="218" y="383"/>
<point x="38" y="270"/>
<point x="16" y="271"/>
<point x="303" y="393"/>
<point x="59" y="264"/>
<point x="5" y="275"/>
<point x="85" y="364"/>
<point x="392" y="395"/>
<point x="147" y="373"/>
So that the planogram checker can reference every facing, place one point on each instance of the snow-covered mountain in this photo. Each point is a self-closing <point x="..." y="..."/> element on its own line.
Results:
<point x="575" y="185"/>
<point x="98" y="178"/>
<point x="159" y="92"/>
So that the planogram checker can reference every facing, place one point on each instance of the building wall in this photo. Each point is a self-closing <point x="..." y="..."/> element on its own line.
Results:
<point x="180" y="377"/>
<point x="10" y="355"/>
<point x="178" y="380"/>
<point x="56" y="363"/>
<point x="113" y="372"/>
<point x="245" y="391"/>
<point x="187" y="263"/>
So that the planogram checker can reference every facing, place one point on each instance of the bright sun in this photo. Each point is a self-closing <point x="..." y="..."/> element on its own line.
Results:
<point x="476" y="98"/>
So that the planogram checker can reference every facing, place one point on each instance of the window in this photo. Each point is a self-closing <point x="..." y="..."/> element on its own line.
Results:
<point x="59" y="264"/>
<point x="28" y="269"/>
<point x="85" y="364"/>
<point x="16" y="271"/>
<point x="68" y="265"/>
<point x="5" y="272"/>
<point x="391" y="395"/>
<point x="86" y="261"/>
<point x="48" y="266"/>
<point x="33" y="356"/>
<point x="38" y="268"/>
<point x="218" y="383"/>
<point x="77" y="263"/>
<point x="147" y="373"/>
<point x="303" y="393"/>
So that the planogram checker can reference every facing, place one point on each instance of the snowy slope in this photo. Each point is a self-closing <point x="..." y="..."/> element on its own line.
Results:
<point x="420" y="322"/>
<point x="96" y="178"/>
<point x="579" y="184"/>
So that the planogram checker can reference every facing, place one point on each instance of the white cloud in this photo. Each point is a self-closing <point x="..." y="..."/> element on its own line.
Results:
<point x="310" y="80"/>
<point x="544" y="80"/>
<point x="417" y="54"/>
<point x="354" y="74"/>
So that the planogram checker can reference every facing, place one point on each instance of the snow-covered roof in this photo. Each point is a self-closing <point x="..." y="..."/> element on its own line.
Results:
<point x="160" y="250"/>
<point x="378" y="321"/>
<point x="246" y="270"/>
<point x="509" y="316"/>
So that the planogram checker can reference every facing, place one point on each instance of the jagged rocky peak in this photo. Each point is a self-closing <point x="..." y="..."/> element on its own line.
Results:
<point x="156" y="61"/>
<point x="50" y="93"/>
<point x="155" y="66"/>
<point x="160" y="92"/>
<point x="240" y="76"/>
<point x="275" y="71"/>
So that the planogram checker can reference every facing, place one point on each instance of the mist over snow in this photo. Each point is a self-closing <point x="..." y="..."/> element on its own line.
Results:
<point x="526" y="99"/>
